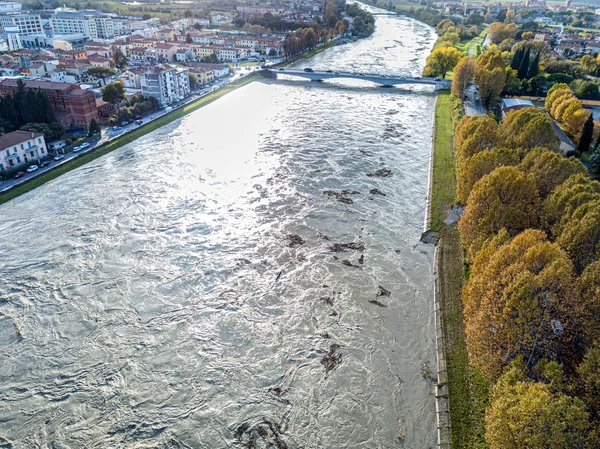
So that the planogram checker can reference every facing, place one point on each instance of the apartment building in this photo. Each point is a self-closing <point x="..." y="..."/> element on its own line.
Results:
<point x="89" y="23"/>
<point x="166" y="83"/>
<point x="21" y="147"/>
<point x="28" y="24"/>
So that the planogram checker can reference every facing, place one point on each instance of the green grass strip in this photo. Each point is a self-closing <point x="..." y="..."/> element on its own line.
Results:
<point x="443" y="186"/>
<point x="124" y="140"/>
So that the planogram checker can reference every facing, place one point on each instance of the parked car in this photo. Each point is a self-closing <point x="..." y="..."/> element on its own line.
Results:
<point x="139" y="122"/>
<point x="336" y="73"/>
<point x="116" y="128"/>
<point x="19" y="175"/>
<point x="329" y="71"/>
<point x="308" y="69"/>
<point x="58" y="157"/>
<point x="32" y="168"/>
<point x="76" y="149"/>
<point x="438" y="79"/>
<point x="477" y="98"/>
<point x="123" y="123"/>
<point x="282" y="69"/>
<point x="417" y="77"/>
<point x="84" y="145"/>
<point x="43" y="164"/>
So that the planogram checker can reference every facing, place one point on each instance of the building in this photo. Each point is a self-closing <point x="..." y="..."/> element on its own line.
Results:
<point x="219" y="70"/>
<point x="511" y="104"/>
<point x="89" y="23"/>
<point x="28" y="24"/>
<point x="21" y="147"/>
<point x="166" y="83"/>
<point x="72" y="106"/>
<point x="10" y="7"/>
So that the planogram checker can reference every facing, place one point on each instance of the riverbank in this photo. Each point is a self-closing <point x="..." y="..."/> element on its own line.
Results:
<point x="124" y="139"/>
<point x="467" y="390"/>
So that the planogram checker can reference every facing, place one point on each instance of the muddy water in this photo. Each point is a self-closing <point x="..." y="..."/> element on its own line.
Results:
<point x="182" y="291"/>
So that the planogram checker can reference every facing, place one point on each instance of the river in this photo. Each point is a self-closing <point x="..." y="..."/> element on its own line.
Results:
<point x="158" y="297"/>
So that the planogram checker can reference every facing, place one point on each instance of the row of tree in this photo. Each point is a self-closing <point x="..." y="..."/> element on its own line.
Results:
<point x="531" y="227"/>
<point x="564" y="107"/>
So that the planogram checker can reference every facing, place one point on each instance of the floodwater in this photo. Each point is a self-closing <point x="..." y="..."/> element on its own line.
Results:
<point x="158" y="297"/>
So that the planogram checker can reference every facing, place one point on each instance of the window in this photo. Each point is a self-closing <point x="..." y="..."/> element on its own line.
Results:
<point x="22" y="147"/>
<point x="42" y="150"/>
<point x="18" y="160"/>
<point x="39" y="140"/>
<point x="28" y="144"/>
<point x="7" y="153"/>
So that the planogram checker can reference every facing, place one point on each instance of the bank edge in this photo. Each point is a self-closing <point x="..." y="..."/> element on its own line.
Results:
<point x="461" y="392"/>
<point x="124" y="139"/>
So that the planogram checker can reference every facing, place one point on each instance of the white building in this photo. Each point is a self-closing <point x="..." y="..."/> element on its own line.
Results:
<point x="28" y="24"/>
<point x="89" y="23"/>
<point x="21" y="147"/>
<point x="13" y="38"/>
<point x="10" y="7"/>
<point x="166" y="83"/>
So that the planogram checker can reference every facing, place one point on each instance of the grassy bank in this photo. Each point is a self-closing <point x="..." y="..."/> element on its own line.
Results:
<point x="443" y="185"/>
<point x="467" y="389"/>
<point x="123" y="140"/>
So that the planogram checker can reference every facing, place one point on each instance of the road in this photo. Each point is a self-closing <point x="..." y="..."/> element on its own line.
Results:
<point x="108" y="134"/>
<point x="471" y="104"/>
<point x="565" y="143"/>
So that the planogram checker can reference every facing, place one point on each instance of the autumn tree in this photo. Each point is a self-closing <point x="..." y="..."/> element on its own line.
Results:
<point x="527" y="128"/>
<point x="530" y="415"/>
<point x="515" y="289"/>
<point x="566" y="198"/>
<point x="580" y="237"/>
<point x="463" y="72"/>
<point x="498" y="32"/>
<point x="549" y="169"/>
<point x="506" y="198"/>
<point x="480" y="164"/>
<point x="490" y="75"/>
<point x="441" y="60"/>
<point x="473" y="134"/>
<point x="555" y="91"/>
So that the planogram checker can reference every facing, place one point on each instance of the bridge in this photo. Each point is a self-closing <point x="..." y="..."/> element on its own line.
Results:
<point x="381" y="79"/>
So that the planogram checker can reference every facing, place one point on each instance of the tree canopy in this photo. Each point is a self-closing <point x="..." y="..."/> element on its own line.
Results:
<point x="113" y="92"/>
<point x="441" y="61"/>
<point x="506" y="198"/>
<point x="527" y="128"/>
<point x="490" y="75"/>
<point x="529" y="415"/>
<point x="462" y="75"/>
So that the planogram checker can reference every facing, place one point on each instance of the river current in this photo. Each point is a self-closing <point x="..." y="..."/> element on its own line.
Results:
<point x="184" y="292"/>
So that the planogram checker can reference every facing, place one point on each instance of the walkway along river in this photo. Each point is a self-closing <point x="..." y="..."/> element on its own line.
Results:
<point x="189" y="290"/>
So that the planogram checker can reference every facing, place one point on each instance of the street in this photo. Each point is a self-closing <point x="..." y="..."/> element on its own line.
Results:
<point x="471" y="103"/>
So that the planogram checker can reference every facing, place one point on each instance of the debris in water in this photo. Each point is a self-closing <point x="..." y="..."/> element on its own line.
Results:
<point x="268" y="431"/>
<point x="333" y="358"/>
<point x="383" y="292"/>
<point x="341" y="196"/>
<point x="322" y="236"/>
<point x="376" y="192"/>
<point x="278" y="275"/>
<point x="341" y="247"/>
<point x="377" y="303"/>
<point x="242" y="261"/>
<point x="294" y="239"/>
<point x="325" y="335"/>
<point x="361" y="259"/>
<point x="334" y="313"/>
<point x="349" y="263"/>
<point x="381" y="173"/>
<point x="327" y="300"/>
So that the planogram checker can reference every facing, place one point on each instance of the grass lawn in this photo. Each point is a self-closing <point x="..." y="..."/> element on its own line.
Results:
<point x="443" y="186"/>
<point x="124" y="140"/>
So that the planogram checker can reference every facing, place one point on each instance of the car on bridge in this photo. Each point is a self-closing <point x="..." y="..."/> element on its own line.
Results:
<point x="308" y="69"/>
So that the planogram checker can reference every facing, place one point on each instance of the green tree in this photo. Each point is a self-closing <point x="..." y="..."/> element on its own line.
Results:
<point x="585" y="138"/>
<point x="113" y="93"/>
<point x="120" y="61"/>
<point x="188" y="38"/>
<point x="101" y="72"/>
<point x="441" y="60"/>
<point x="193" y="80"/>
<point x="595" y="160"/>
<point x="534" y="68"/>
<point x="94" y="128"/>
<point x="528" y="415"/>
<point x="524" y="66"/>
